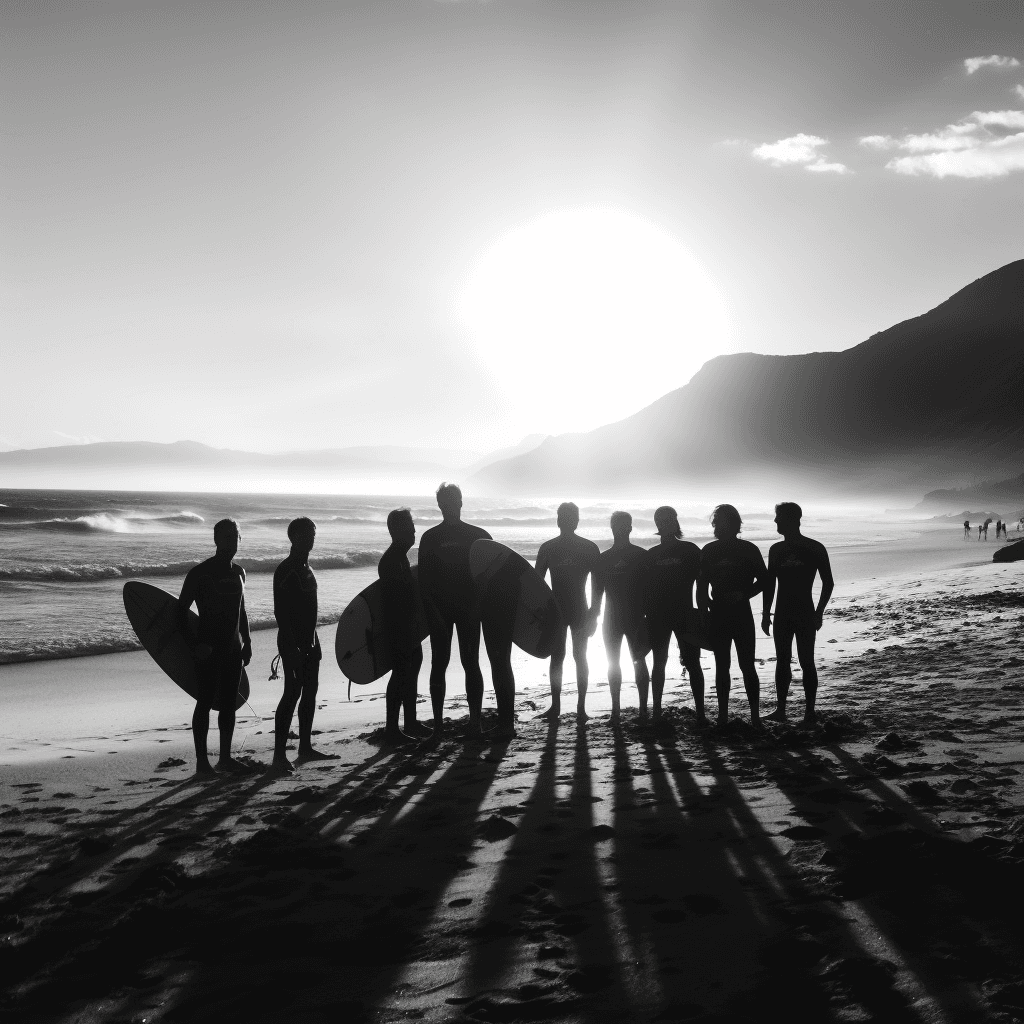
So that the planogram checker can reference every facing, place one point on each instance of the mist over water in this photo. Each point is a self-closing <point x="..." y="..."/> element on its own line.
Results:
<point x="65" y="555"/>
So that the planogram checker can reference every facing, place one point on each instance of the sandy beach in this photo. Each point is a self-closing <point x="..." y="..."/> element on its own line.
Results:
<point x="865" y="869"/>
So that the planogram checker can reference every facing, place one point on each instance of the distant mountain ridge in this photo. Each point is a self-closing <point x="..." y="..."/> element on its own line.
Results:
<point x="1005" y="492"/>
<point x="926" y="403"/>
<point x="191" y="465"/>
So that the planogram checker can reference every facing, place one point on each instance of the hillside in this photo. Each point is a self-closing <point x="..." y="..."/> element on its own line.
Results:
<point x="189" y="465"/>
<point x="926" y="403"/>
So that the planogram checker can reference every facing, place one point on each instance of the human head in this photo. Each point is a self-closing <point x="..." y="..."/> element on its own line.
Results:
<point x="226" y="537"/>
<point x="787" y="516"/>
<point x="401" y="526"/>
<point x="622" y="525"/>
<point x="726" y="521"/>
<point x="568" y="515"/>
<point x="449" y="499"/>
<point x="302" y="533"/>
<point x="667" y="521"/>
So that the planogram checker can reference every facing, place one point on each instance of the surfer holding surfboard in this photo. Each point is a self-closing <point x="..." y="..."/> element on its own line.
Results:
<point x="221" y="648"/>
<point x="401" y="612"/>
<point x="295" y="608"/>
<point x="452" y="603"/>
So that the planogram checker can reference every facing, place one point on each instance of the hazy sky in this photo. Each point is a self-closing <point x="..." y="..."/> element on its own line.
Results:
<point x="250" y="224"/>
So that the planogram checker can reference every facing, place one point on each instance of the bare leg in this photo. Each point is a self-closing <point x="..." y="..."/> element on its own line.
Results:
<point x="499" y="652"/>
<point x="805" y="654"/>
<point x="723" y="680"/>
<point x="783" y="669"/>
<point x="642" y="677"/>
<point x="283" y="721"/>
<point x="200" y="732"/>
<point x="579" y="655"/>
<point x="398" y="684"/>
<point x="469" y="653"/>
<point x="440" y="655"/>
<point x="690" y="656"/>
<point x="659" y="661"/>
<point x="751" y="683"/>
<point x="555" y="678"/>
<point x="613" y="650"/>
<point x="409" y="696"/>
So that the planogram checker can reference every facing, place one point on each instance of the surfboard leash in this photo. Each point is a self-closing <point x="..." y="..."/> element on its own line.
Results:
<point x="275" y="664"/>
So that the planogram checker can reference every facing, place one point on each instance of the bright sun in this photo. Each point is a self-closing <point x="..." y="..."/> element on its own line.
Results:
<point x="586" y="316"/>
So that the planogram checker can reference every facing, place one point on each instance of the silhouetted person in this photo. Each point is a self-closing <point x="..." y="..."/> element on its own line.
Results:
<point x="222" y="648"/>
<point x="734" y="571"/>
<point x="980" y="527"/>
<point x="622" y="575"/>
<point x="985" y="526"/>
<point x="674" y="567"/>
<point x="295" y="608"/>
<point x="451" y="603"/>
<point x="967" y="529"/>
<point x="400" y="603"/>
<point x="793" y="562"/>
<point x="570" y="559"/>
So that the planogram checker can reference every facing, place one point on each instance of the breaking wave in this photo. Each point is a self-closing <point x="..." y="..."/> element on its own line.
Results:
<point x="107" y="522"/>
<point x="89" y="573"/>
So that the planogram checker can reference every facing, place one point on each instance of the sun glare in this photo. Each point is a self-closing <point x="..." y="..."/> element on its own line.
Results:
<point x="586" y="316"/>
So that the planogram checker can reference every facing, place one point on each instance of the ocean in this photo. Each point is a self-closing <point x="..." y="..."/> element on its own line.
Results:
<point x="65" y="555"/>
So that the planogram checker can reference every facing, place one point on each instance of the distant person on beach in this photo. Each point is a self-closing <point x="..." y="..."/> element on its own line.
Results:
<point x="222" y="648"/>
<point x="734" y="571"/>
<point x="622" y="573"/>
<point x="967" y="529"/>
<point x="980" y="528"/>
<point x="570" y="559"/>
<point x="793" y="562"/>
<point x="451" y="603"/>
<point x="999" y="528"/>
<point x="400" y="611"/>
<point x="674" y="566"/>
<point x="295" y="609"/>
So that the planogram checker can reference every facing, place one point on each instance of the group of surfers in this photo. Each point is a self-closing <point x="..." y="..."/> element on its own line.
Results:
<point x="699" y="596"/>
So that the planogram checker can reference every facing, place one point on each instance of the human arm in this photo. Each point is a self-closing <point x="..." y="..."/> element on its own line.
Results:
<point x="187" y="597"/>
<point x="243" y="625"/>
<point x="543" y="561"/>
<point x="827" y="586"/>
<point x="769" y="596"/>
<point x="760" y="573"/>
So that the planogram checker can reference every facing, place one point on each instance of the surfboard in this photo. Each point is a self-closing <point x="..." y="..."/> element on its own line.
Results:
<point x="361" y="642"/>
<point x="510" y="586"/>
<point x="153" y="614"/>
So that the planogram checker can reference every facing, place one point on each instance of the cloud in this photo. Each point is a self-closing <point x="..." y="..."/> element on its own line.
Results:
<point x="828" y="167"/>
<point x="1019" y="90"/>
<point x="798" y="150"/>
<point x="985" y="144"/>
<point x="973" y="64"/>
<point x="993" y="158"/>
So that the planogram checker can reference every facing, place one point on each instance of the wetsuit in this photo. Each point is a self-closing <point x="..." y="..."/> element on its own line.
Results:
<point x="218" y="591"/>
<point x="623" y="573"/>
<point x="735" y="572"/>
<point x="451" y="603"/>
<point x="295" y="608"/>
<point x="401" y="609"/>
<point x="672" y="572"/>
<point x="795" y="563"/>
<point x="570" y="560"/>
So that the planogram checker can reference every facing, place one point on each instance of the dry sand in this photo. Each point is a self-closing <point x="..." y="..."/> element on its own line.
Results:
<point x="867" y="869"/>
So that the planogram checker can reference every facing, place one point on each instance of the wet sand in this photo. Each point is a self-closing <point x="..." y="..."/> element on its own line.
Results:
<point x="865" y="869"/>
